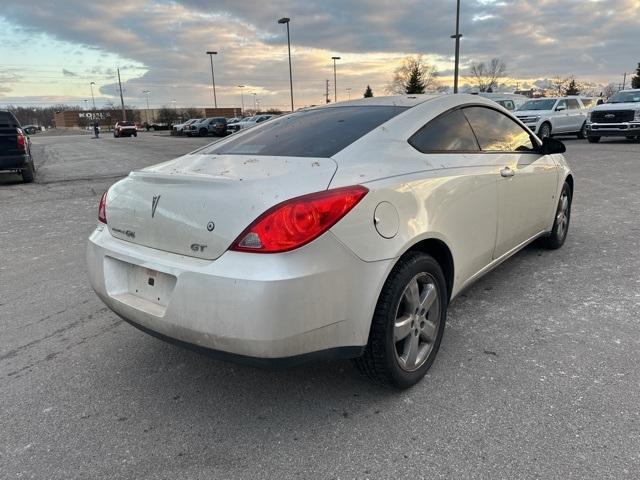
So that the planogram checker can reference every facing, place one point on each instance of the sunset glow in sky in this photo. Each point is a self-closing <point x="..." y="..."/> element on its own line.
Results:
<point x="50" y="51"/>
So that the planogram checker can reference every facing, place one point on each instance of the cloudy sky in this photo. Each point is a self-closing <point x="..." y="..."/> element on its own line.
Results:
<point x="50" y="50"/>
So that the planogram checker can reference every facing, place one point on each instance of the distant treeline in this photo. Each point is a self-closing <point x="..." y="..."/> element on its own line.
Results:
<point x="42" y="116"/>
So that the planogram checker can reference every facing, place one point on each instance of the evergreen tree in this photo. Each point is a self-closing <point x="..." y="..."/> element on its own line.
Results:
<point x="572" y="88"/>
<point x="368" y="93"/>
<point x="414" y="82"/>
<point x="635" y="81"/>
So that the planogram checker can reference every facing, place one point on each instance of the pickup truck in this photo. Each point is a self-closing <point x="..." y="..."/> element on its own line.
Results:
<point x="15" y="148"/>
<point x="619" y="117"/>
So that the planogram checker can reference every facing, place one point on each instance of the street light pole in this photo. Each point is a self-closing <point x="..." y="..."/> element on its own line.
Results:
<point x="335" y="83"/>
<point x="147" y="92"/>
<point x="92" y="98"/>
<point x="287" y="20"/>
<point x="348" y="92"/>
<point x="457" y="36"/>
<point x="213" y="79"/>
<point x="241" y="98"/>
<point x="85" y="103"/>
<point x="254" y="102"/>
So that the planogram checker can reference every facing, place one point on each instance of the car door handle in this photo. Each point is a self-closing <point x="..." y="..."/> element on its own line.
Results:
<point x="507" y="172"/>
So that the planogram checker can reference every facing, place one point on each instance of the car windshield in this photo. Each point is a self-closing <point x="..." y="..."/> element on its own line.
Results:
<point x="127" y="124"/>
<point x="537" y="105"/>
<point x="625" y="97"/>
<point x="321" y="132"/>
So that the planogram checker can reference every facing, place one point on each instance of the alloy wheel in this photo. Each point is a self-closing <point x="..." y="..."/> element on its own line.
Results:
<point x="417" y="322"/>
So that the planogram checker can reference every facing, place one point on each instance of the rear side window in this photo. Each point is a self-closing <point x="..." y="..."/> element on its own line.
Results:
<point x="447" y="133"/>
<point x="573" y="104"/>
<point x="496" y="132"/>
<point x="320" y="132"/>
<point x="587" y="102"/>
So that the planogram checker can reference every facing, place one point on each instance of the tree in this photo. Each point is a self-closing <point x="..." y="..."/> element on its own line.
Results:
<point x="572" y="87"/>
<point x="486" y="76"/>
<point x="368" y="93"/>
<point x="608" y="91"/>
<point x="635" y="81"/>
<point x="415" y="75"/>
<point x="167" y="115"/>
<point x="191" y="112"/>
<point x="557" y="86"/>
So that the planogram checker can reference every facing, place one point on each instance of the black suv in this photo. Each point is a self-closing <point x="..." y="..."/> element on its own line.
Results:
<point x="15" y="148"/>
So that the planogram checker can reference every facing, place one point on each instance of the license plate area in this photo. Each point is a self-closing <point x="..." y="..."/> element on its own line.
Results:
<point x="137" y="286"/>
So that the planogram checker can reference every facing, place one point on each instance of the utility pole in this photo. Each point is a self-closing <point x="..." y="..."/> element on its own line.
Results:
<point x="147" y="92"/>
<point x="326" y="91"/>
<point x="335" y="82"/>
<point x="457" y="36"/>
<point x="124" y="113"/>
<point x="287" y="21"/>
<point x="213" y="79"/>
<point x="624" y="81"/>
<point x="92" y="97"/>
<point x="242" y="97"/>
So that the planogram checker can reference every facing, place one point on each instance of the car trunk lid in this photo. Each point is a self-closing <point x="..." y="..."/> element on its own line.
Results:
<point x="198" y="204"/>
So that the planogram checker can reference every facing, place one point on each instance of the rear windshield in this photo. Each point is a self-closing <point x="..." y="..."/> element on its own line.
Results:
<point x="8" y="120"/>
<point x="320" y="132"/>
<point x="127" y="124"/>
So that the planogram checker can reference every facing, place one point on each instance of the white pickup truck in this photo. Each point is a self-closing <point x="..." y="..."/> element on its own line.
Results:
<point x="618" y="117"/>
<point x="555" y="116"/>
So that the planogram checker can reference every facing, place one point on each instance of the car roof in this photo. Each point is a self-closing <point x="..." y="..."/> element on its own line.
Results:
<point x="389" y="101"/>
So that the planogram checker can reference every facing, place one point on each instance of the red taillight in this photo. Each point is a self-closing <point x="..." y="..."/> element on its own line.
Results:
<point x="296" y="222"/>
<point x="102" y="208"/>
<point x="22" y="142"/>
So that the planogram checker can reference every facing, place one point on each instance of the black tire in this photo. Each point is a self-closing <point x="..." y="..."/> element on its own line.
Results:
<point x="28" y="173"/>
<point x="203" y="132"/>
<point x="544" y="131"/>
<point x="593" y="139"/>
<point x="135" y="134"/>
<point x="582" y="134"/>
<point x="558" y="234"/>
<point x="381" y="360"/>
<point x="115" y="135"/>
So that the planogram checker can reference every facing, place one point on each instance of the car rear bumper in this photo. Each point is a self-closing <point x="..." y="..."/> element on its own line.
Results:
<point x="613" y="129"/>
<point x="13" y="162"/>
<point x="314" y="302"/>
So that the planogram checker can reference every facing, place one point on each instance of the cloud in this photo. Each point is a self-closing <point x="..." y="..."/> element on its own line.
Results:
<point x="68" y="73"/>
<point x="166" y="42"/>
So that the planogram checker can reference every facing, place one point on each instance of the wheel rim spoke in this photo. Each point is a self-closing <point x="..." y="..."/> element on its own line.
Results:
<point x="428" y="297"/>
<point x="402" y="327"/>
<point x="413" y="342"/>
<point x="428" y="331"/>
<point x="412" y="294"/>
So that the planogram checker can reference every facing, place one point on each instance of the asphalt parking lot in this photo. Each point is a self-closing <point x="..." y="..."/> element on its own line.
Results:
<point x="537" y="376"/>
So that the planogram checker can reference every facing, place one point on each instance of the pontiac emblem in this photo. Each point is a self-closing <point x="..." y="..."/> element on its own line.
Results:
<point x="154" y="204"/>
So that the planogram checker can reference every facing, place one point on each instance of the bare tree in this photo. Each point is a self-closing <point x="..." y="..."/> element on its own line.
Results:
<point x="608" y="91"/>
<point x="414" y="74"/>
<point x="486" y="76"/>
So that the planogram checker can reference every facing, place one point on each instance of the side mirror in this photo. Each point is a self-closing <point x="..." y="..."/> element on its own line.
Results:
<point x="560" y="108"/>
<point x="551" y="145"/>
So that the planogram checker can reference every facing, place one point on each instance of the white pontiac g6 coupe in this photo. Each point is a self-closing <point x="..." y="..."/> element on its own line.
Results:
<point x="335" y="232"/>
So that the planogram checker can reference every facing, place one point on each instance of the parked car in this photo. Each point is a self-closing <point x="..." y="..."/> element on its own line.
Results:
<point x="216" y="126"/>
<point x="31" y="129"/>
<point x="618" y="117"/>
<point x="555" y="116"/>
<point x="15" y="148"/>
<point x="510" y="101"/>
<point x="249" y="122"/>
<point x="125" y="129"/>
<point x="179" y="128"/>
<point x="335" y="232"/>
